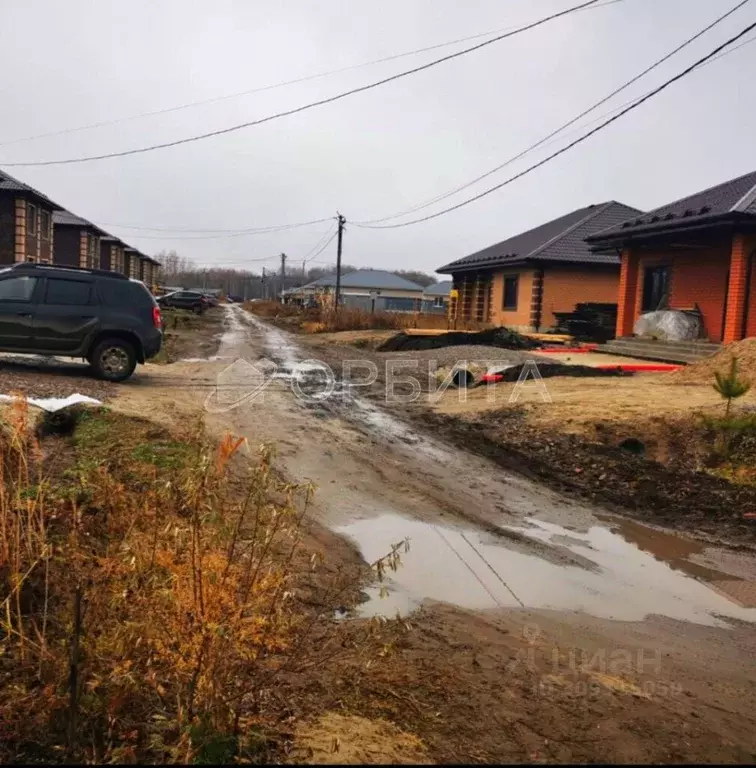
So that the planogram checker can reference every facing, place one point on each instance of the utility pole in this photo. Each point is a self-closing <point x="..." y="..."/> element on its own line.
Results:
<point x="342" y="221"/>
<point x="264" y="286"/>
<point x="283" y="277"/>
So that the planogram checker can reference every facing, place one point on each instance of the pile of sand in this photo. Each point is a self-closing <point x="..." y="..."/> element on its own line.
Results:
<point x="702" y="372"/>
<point x="337" y="739"/>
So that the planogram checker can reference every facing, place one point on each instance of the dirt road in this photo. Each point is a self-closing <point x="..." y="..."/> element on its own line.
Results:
<point x="562" y="632"/>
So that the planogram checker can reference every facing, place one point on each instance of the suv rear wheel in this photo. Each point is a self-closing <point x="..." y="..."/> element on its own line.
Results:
<point x="113" y="359"/>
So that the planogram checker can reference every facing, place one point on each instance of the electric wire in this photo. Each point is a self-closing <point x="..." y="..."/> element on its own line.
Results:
<point x="308" y="106"/>
<point x="269" y="87"/>
<point x="564" y="126"/>
<point x="569" y="146"/>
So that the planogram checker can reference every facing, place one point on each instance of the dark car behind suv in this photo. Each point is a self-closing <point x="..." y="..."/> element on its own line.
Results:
<point x="191" y="300"/>
<point x="104" y="317"/>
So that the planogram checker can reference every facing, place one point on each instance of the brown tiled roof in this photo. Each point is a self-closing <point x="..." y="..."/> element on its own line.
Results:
<point x="9" y="184"/>
<point x="68" y="219"/>
<point x="560" y="240"/>
<point x="734" y="198"/>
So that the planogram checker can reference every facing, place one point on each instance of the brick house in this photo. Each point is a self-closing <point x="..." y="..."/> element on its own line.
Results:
<point x="150" y="272"/>
<point x="77" y="241"/>
<point x="522" y="281"/>
<point x="26" y="228"/>
<point x="112" y="254"/>
<point x="133" y="263"/>
<point x="694" y="254"/>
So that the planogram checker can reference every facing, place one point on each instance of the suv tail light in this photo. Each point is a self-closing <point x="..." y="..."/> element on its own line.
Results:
<point x="157" y="318"/>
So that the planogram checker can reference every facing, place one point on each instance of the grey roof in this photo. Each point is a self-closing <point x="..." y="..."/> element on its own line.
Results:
<point x="67" y="219"/>
<point x="734" y="198"/>
<point x="559" y="240"/>
<point x="9" y="184"/>
<point x="438" y="289"/>
<point x="377" y="279"/>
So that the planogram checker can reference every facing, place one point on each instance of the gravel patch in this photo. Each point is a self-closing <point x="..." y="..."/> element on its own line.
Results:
<point x="50" y="377"/>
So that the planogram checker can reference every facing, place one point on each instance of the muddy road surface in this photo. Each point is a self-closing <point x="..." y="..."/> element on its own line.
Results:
<point x="502" y="574"/>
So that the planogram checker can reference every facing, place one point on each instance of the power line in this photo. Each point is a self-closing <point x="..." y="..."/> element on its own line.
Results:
<point x="566" y="125"/>
<point x="229" y="233"/>
<point x="270" y="87"/>
<point x="546" y="141"/>
<point x="311" y="105"/>
<point x="323" y="247"/>
<point x="238" y="230"/>
<point x="572" y="144"/>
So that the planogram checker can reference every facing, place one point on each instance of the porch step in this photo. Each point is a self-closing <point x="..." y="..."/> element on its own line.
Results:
<point x="665" y="351"/>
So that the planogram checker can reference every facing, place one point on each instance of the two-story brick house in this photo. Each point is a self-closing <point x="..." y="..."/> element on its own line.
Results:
<point x="26" y="222"/>
<point x="112" y="254"/>
<point x="150" y="272"/>
<point x="77" y="241"/>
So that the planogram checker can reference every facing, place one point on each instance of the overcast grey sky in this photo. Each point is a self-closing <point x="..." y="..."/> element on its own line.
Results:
<point x="72" y="63"/>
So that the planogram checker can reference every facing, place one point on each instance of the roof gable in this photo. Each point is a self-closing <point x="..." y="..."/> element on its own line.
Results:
<point x="559" y="240"/>
<point x="736" y="196"/>
<point x="9" y="184"/>
<point x="438" y="289"/>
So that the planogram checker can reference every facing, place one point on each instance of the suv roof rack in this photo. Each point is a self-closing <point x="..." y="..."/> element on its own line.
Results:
<point x="91" y="271"/>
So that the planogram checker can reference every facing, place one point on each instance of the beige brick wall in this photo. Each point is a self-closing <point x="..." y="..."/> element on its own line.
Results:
<point x="517" y="319"/>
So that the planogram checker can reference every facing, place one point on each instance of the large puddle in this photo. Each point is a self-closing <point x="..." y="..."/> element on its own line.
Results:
<point x="628" y="574"/>
<point x="478" y="571"/>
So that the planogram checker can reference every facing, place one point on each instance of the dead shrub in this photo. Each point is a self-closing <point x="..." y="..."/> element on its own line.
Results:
<point x="151" y="603"/>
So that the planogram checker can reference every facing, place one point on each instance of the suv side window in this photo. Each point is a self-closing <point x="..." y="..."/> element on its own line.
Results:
<point x="17" y="288"/>
<point x="68" y="292"/>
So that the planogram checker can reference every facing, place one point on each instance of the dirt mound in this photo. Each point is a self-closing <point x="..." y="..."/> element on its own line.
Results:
<point x="547" y="370"/>
<point x="702" y="372"/>
<point x="496" y="337"/>
<point x="353" y="740"/>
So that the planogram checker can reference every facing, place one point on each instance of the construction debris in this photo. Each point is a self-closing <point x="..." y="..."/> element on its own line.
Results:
<point x="496" y="337"/>
<point x="547" y="370"/>
<point x="588" y="322"/>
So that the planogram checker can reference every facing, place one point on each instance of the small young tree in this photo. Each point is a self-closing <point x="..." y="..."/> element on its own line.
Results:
<point x="730" y="386"/>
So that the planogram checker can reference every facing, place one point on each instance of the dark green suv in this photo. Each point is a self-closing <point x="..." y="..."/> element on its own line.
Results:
<point x="104" y="317"/>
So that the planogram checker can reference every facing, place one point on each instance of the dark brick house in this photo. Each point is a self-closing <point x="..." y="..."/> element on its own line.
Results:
<point x="77" y="241"/>
<point x="26" y="222"/>
<point x="694" y="254"/>
<point x="112" y="254"/>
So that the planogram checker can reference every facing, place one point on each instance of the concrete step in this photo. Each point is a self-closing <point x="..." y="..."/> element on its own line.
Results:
<point x="701" y="347"/>
<point x="658" y="351"/>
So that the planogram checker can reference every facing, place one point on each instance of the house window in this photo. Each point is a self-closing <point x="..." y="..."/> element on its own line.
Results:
<point x="510" y="292"/>
<point x="31" y="219"/>
<point x="655" y="288"/>
<point x="438" y="302"/>
<point x="44" y="224"/>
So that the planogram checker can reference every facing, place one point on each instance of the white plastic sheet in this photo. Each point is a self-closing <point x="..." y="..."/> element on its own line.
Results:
<point x="52" y="404"/>
<point x="669" y="324"/>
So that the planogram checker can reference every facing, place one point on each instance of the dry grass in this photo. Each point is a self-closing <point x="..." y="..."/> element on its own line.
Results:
<point x="150" y="601"/>
<point x="324" y="319"/>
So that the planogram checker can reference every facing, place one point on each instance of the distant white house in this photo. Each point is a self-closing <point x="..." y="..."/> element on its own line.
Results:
<point x="370" y="289"/>
<point x="436" y="297"/>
